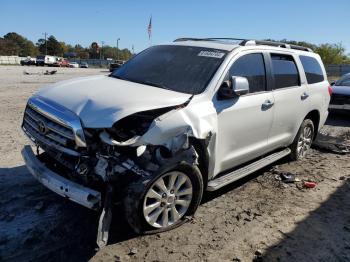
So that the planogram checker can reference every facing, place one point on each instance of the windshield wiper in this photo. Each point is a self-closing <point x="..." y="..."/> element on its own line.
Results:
<point x="142" y="82"/>
<point x="155" y="84"/>
<point x="118" y="77"/>
<point x="150" y="84"/>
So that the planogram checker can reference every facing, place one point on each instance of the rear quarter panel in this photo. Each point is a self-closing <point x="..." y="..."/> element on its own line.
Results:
<point x="319" y="95"/>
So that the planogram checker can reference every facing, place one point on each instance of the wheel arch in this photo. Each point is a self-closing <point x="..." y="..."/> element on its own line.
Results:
<point x="314" y="116"/>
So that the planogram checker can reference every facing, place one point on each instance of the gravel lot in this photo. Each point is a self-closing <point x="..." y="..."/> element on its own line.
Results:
<point x="258" y="218"/>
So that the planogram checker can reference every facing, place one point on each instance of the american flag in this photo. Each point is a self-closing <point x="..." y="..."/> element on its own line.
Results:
<point x="149" y="28"/>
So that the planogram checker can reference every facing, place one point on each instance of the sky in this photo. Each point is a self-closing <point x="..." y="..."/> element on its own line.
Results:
<point x="86" y="21"/>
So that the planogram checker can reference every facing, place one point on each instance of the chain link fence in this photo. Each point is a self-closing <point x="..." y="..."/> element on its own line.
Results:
<point x="337" y="70"/>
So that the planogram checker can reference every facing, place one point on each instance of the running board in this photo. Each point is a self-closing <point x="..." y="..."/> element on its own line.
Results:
<point x="246" y="170"/>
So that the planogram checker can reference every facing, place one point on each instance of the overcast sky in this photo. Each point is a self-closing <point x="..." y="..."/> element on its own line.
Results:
<point x="87" y="21"/>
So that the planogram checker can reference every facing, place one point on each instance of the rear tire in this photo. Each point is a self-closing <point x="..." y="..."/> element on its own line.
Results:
<point x="303" y="140"/>
<point x="138" y="194"/>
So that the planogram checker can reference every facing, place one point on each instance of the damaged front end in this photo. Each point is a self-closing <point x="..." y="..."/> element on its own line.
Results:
<point x="98" y="173"/>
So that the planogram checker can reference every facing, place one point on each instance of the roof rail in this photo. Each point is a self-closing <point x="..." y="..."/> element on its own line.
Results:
<point x="206" y="39"/>
<point x="247" y="42"/>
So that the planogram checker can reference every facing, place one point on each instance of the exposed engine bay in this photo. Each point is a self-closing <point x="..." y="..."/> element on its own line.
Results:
<point x="113" y="154"/>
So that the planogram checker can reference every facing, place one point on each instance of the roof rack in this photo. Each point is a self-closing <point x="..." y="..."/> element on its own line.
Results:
<point x="248" y="42"/>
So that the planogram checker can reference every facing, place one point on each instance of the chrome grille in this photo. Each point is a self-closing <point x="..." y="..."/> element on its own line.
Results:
<point x="45" y="130"/>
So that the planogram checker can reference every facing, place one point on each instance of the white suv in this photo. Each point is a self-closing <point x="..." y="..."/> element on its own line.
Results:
<point x="175" y="120"/>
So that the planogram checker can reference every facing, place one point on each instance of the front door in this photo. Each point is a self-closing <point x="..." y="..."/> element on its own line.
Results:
<point x="244" y="122"/>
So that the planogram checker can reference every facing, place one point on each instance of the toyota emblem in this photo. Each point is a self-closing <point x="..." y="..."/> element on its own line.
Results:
<point x="42" y="127"/>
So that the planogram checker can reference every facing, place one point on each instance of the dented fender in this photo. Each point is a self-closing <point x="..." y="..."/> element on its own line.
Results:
<point x="196" y="120"/>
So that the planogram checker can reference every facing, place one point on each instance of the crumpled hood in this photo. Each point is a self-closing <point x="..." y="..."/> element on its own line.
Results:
<point x="100" y="100"/>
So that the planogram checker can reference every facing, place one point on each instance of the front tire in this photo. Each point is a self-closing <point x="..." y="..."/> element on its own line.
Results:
<point x="163" y="202"/>
<point x="303" y="140"/>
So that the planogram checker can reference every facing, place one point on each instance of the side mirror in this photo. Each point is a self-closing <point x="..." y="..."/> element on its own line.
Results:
<point x="240" y="85"/>
<point x="225" y="91"/>
<point x="236" y="87"/>
<point x="333" y="83"/>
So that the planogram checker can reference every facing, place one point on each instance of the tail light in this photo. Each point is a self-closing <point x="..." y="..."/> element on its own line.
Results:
<point x="330" y="91"/>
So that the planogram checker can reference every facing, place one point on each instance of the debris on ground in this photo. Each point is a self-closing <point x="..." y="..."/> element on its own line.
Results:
<point x="337" y="145"/>
<point x="133" y="251"/>
<point x="47" y="72"/>
<point x="287" y="177"/>
<point x="50" y="72"/>
<point x="258" y="256"/>
<point x="308" y="184"/>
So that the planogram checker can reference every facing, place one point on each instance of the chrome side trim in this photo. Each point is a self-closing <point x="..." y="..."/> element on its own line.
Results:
<point x="60" y="115"/>
<point x="77" y="193"/>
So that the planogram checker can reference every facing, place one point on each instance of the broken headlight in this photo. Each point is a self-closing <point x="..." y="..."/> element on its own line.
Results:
<point x="135" y="125"/>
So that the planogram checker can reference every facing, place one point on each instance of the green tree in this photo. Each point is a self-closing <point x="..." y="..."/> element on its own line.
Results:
<point x="53" y="46"/>
<point x="332" y="54"/>
<point x="8" y="48"/>
<point x="94" y="52"/>
<point x="21" y="46"/>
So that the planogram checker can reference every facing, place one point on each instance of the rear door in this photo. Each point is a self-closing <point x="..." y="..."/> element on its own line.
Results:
<point x="291" y="98"/>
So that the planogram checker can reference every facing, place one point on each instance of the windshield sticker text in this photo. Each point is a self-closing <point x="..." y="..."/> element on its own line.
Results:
<point x="211" y="54"/>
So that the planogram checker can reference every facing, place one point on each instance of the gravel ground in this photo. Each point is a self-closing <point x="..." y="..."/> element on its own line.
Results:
<point x="258" y="218"/>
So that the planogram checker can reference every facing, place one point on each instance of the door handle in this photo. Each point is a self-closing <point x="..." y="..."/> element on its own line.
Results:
<point x="304" y="96"/>
<point x="267" y="104"/>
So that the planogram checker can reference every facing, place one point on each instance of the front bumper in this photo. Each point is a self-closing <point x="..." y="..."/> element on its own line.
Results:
<point x="60" y="185"/>
<point x="339" y="107"/>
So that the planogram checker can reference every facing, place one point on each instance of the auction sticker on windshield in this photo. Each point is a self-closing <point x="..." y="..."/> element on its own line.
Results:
<point x="211" y="54"/>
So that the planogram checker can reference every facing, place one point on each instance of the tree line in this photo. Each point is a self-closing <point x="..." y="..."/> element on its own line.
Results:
<point x="330" y="53"/>
<point x="15" y="44"/>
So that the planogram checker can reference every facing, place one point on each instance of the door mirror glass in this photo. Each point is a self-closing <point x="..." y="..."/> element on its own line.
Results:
<point x="226" y="91"/>
<point x="240" y="85"/>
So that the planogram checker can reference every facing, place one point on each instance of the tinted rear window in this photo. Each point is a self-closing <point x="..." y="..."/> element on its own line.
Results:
<point x="285" y="71"/>
<point x="313" y="70"/>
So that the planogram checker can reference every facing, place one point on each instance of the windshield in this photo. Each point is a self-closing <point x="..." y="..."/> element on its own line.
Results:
<point x="182" y="69"/>
<point x="343" y="81"/>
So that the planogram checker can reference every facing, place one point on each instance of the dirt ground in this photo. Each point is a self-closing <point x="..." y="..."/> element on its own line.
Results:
<point x="258" y="218"/>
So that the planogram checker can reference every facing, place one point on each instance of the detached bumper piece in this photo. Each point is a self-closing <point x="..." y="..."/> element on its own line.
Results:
<point x="60" y="185"/>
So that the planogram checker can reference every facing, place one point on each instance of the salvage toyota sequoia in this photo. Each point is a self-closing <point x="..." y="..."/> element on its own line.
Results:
<point x="174" y="121"/>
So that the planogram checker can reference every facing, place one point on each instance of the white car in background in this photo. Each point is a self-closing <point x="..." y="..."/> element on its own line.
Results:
<point x="73" y="65"/>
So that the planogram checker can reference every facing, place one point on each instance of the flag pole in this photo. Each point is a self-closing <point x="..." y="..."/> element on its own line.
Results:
<point x="149" y="30"/>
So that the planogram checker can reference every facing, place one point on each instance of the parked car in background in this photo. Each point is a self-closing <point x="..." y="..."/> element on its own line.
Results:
<point x="42" y="60"/>
<point x="28" y="61"/>
<point x="73" y="65"/>
<point x="115" y="65"/>
<point x="84" y="65"/>
<point x="61" y="62"/>
<point x="340" y="99"/>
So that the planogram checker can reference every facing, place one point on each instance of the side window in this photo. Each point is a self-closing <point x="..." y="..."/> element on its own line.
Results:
<point x="312" y="69"/>
<point x="252" y="67"/>
<point x="344" y="81"/>
<point x="285" y="71"/>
